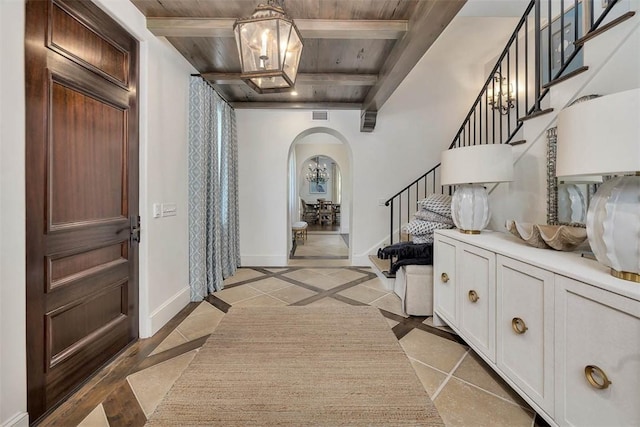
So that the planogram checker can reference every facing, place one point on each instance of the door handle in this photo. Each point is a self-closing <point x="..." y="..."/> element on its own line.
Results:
<point x="134" y="235"/>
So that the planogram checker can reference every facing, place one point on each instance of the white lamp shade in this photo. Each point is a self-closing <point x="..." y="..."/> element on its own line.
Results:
<point x="477" y="164"/>
<point x="600" y="136"/>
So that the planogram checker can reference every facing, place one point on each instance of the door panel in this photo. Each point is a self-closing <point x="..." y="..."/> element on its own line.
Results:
<point x="72" y="38"/>
<point x="82" y="180"/>
<point x="85" y="158"/>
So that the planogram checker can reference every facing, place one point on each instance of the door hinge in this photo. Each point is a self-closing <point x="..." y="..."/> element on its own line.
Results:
<point x="135" y="229"/>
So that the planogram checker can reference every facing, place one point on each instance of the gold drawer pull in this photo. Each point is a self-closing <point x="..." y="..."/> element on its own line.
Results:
<point x="518" y="325"/>
<point x="599" y="380"/>
<point x="473" y="296"/>
<point x="444" y="277"/>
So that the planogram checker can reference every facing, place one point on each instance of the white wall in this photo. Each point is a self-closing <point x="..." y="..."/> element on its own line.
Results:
<point x="13" y="390"/>
<point x="164" y="77"/>
<point x="413" y="127"/>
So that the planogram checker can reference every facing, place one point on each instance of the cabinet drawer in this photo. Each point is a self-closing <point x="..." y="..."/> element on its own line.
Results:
<point x="525" y="328"/>
<point x="600" y="330"/>
<point x="444" y="281"/>
<point x="476" y="282"/>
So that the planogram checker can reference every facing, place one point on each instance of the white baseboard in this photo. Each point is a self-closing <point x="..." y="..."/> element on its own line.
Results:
<point x="166" y="311"/>
<point x="21" y="419"/>
<point x="263" y="261"/>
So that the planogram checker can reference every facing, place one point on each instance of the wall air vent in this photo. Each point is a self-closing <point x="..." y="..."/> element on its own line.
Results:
<point x="320" y="116"/>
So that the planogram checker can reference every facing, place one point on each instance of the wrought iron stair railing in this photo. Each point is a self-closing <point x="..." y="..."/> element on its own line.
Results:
<point x="514" y="90"/>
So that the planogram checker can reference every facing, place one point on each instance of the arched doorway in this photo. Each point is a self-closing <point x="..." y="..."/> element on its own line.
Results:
<point x="325" y="203"/>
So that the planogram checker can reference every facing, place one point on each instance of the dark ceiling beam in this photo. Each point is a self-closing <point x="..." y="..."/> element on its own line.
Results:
<point x="298" y="105"/>
<point x="309" y="28"/>
<point x="303" y="79"/>
<point x="426" y="24"/>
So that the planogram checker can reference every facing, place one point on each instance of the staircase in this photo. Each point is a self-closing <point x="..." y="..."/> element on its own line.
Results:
<point x="516" y="92"/>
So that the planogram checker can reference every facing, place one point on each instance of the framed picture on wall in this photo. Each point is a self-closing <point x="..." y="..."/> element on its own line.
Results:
<point x="317" y="187"/>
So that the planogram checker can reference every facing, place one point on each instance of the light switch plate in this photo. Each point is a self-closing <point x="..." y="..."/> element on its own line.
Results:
<point x="169" y="209"/>
<point x="157" y="210"/>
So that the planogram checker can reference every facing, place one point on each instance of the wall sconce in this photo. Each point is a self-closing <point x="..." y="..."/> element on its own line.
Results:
<point x="500" y="95"/>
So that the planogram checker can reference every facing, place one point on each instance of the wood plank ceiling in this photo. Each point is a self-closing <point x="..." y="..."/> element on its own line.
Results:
<point x="356" y="52"/>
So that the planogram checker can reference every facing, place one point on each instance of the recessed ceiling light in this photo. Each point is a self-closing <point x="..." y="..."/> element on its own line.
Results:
<point x="294" y="93"/>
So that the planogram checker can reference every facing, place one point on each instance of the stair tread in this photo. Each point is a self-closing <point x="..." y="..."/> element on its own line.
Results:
<point x="603" y="28"/>
<point x="566" y="76"/>
<point x="536" y="114"/>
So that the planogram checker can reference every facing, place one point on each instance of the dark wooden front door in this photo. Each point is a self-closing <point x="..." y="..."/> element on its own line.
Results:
<point x="82" y="195"/>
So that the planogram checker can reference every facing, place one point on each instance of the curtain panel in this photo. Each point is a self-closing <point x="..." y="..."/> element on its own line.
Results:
<point x="214" y="250"/>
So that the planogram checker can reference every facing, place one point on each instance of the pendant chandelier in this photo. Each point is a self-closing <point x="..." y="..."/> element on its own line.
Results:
<point x="317" y="173"/>
<point x="270" y="47"/>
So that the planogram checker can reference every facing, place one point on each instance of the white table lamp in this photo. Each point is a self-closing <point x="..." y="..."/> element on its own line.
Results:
<point x="468" y="168"/>
<point x="601" y="136"/>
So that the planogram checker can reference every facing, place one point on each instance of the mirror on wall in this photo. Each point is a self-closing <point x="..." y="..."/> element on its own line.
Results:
<point x="567" y="201"/>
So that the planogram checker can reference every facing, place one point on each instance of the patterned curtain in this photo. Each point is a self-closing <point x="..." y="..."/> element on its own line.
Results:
<point x="214" y="250"/>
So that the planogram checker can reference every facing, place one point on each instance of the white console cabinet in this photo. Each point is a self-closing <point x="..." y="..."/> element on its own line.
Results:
<point x="558" y="328"/>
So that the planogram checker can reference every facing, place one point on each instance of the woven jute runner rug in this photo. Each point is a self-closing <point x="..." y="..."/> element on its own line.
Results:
<point x="299" y="366"/>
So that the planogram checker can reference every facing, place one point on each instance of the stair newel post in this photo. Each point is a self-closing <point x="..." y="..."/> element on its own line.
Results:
<point x="537" y="52"/>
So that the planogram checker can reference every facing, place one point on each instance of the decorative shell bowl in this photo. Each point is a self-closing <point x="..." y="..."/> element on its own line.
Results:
<point x="558" y="237"/>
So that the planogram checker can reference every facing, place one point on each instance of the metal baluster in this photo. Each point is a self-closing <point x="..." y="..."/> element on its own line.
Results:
<point x="493" y="112"/>
<point x="537" y="51"/>
<point x="550" y="49"/>
<point x="500" y="101"/>
<point x="526" y="65"/>
<point x="517" y="93"/>
<point x="508" y="92"/>
<point x="562" y="32"/>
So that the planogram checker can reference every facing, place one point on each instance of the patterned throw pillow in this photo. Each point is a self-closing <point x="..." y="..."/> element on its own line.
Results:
<point x="425" y="215"/>
<point x="421" y="228"/>
<point x="438" y="203"/>
<point x="427" y="238"/>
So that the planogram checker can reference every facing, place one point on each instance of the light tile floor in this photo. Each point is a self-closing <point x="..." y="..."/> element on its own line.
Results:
<point x="464" y="389"/>
<point x="321" y="245"/>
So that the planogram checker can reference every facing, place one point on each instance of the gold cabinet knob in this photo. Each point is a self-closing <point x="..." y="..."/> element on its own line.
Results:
<point x="596" y="377"/>
<point x="473" y="296"/>
<point x="518" y="325"/>
<point x="444" y="277"/>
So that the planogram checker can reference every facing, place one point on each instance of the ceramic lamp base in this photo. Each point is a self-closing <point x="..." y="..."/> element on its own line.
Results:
<point x="470" y="208"/>
<point x="613" y="226"/>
